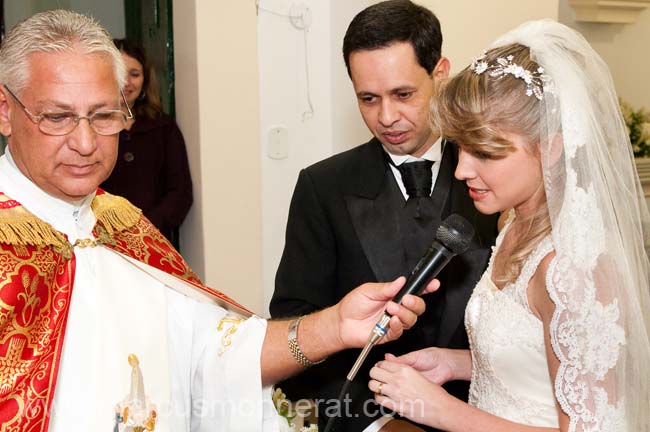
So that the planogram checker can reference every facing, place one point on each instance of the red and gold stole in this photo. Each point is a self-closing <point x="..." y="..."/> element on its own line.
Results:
<point x="37" y="268"/>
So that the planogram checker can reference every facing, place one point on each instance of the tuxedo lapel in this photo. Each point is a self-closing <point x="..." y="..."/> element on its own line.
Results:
<point x="369" y="197"/>
<point x="370" y="201"/>
<point x="377" y="226"/>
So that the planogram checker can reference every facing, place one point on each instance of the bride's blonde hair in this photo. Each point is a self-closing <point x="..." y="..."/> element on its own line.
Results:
<point x="475" y="110"/>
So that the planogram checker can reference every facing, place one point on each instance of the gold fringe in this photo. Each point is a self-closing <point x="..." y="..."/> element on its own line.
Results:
<point x="19" y="227"/>
<point x="115" y="213"/>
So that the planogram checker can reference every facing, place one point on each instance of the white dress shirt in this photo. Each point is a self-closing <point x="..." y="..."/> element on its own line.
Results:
<point x="434" y="154"/>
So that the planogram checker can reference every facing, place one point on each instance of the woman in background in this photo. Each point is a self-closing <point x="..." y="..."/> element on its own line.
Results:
<point x="152" y="170"/>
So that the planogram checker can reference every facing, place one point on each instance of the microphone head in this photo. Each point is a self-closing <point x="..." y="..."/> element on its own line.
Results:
<point x="455" y="233"/>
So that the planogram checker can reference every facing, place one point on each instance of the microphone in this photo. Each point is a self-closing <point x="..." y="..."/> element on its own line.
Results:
<point x="453" y="237"/>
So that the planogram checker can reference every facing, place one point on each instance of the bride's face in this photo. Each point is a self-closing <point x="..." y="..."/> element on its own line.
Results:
<point x="514" y="181"/>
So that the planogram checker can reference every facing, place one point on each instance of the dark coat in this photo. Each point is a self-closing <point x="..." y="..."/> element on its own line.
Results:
<point x="153" y="173"/>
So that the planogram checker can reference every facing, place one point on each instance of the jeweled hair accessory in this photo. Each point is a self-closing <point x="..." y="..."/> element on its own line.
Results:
<point x="537" y="82"/>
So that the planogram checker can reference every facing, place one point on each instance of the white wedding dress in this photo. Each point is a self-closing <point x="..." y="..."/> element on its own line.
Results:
<point x="510" y="376"/>
<point x="599" y="278"/>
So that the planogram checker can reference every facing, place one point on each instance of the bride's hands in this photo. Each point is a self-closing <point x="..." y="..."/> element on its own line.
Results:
<point x="408" y="392"/>
<point x="438" y="365"/>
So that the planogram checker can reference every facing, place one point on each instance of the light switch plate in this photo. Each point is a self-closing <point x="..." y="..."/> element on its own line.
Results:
<point x="278" y="142"/>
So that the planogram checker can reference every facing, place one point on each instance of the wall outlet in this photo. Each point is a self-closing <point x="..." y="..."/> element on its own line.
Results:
<point x="278" y="142"/>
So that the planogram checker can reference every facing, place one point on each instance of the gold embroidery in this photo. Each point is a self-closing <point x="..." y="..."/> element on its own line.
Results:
<point x="145" y="243"/>
<point x="226" y="338"/>
<point x="12" y="366"/>
<point x="29" y="297"/>
<point x="32" y="340"/>
<point x="34" y="299"/>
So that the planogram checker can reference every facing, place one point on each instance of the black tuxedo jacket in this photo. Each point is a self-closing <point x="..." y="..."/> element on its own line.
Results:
<point x="342" y="231"/>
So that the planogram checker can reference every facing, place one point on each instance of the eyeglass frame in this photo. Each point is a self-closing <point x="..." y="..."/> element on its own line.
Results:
<point x="36" y="118"/>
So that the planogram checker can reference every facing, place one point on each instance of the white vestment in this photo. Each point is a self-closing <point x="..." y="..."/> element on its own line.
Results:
<point x="200" y="362"/>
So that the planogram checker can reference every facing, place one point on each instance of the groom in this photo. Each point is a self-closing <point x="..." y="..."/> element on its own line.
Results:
<point x="370" y="213"/>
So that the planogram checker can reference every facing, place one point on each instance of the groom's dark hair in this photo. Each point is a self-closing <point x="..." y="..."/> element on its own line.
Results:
<point x="383" y="24"/>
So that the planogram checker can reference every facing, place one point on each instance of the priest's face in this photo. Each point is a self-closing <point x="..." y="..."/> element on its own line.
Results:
<point x="393" y="92"/>
<point x="71" y="166"/>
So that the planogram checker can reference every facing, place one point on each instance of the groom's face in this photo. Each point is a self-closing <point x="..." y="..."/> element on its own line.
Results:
<point x="393" y="92"/>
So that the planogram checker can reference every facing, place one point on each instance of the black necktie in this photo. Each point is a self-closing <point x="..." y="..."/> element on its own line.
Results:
<point x="416" y="177"/>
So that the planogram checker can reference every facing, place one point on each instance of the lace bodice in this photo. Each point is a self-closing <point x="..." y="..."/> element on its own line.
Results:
<point x="510" y="376"/>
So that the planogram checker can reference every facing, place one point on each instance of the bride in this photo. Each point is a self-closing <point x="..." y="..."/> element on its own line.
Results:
<point x="558" y="324"/>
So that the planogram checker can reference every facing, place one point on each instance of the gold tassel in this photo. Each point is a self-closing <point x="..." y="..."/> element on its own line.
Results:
<point x="20" y="227"/>
<point x="115" y="213"/>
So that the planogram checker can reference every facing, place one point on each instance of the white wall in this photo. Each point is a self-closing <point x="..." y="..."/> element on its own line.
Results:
<point x="624" y="47"/>
<point x="348" y="129"/>
<point x="283" y="102"/>
<point x="217" y="105"/>
<point x="469" y="26"/>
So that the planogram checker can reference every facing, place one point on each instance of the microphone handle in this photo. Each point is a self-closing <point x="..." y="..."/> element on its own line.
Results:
<point x="427" y="268"/>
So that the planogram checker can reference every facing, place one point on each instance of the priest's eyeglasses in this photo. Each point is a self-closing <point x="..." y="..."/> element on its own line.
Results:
<point x="57" y="123"/>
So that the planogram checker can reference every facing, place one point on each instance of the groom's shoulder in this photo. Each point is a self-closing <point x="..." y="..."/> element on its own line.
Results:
<point x="347" y="161"/>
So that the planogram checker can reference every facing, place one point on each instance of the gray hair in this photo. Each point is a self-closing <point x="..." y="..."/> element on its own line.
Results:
<point x="50" y="32"/>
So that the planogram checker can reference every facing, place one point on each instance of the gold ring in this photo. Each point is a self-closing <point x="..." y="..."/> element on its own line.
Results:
<point x="381" y="384"/>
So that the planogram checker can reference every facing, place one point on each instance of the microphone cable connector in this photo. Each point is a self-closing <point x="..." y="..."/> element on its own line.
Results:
<point x="378" y="331"/>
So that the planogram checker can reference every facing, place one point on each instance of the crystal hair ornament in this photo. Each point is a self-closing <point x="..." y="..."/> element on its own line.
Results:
<point x="537" y="82"/>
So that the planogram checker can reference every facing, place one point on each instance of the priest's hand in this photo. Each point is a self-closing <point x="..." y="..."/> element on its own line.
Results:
<point x="344" y="325"/>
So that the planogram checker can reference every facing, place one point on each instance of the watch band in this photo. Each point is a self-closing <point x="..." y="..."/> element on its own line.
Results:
<point x="296" y="352"/>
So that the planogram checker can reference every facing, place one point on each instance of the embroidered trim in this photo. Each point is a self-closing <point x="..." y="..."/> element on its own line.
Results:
<point x="226" y="337"/>
<point x="6" y="202"/>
